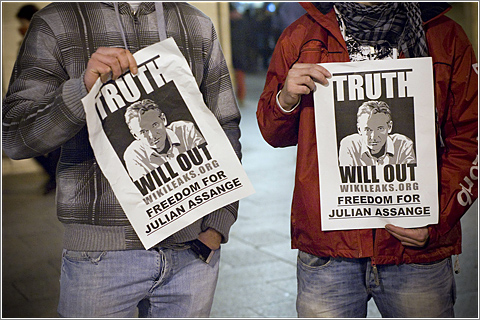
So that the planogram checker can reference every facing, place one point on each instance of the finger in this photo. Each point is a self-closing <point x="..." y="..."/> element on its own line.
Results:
<point x="105" y="65"/>
<point x="398" y="233"/>
<point x="132" y="63"/>
<point x="320" y="74"/>
<point x="314" y="71"/>
<point x="398" y="230"/>
<point x="407" y="241"/>
<point x="417" y="237"/>
<point x="106" y="76"/>
<point x="116" y="58"/>
<point x="99" y="69"/>
<point x="312" y="66"/>
<point x="300" y="81"/>
<point x="411" y="233"/>
<point x="116" y="67"/>
<point x="412" y="243"/>
<point x="304" y="84"/>
<point x="126" y="61"/>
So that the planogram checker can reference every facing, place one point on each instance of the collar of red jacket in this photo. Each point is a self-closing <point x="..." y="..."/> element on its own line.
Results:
<point x="322" y="10"/>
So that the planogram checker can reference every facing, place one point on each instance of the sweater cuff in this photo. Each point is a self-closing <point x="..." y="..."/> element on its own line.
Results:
<point x="221" y="220"/>
<point x="280" y="106"/>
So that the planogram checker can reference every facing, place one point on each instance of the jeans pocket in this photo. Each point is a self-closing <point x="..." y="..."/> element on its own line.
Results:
<point x="215" y="256"/>
<point x="431" y="264"/>
<point x="311" y="261"/>
<point x="84" y="256"/>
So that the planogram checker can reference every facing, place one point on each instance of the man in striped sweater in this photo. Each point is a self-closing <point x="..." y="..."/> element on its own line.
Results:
<point x="106" y="272"/>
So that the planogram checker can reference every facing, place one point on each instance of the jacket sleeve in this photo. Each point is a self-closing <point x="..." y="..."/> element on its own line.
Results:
<point x="42" y="108"/>
<point x="458" y="159"/>
<point x="278" y="128"/>
<point x="219" y="97"/>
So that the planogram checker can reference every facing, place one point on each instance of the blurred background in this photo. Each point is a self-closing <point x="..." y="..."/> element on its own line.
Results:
<point x="257" y="276"/>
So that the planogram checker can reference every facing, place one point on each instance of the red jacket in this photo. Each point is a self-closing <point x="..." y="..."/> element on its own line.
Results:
<point x="316" y="38"/>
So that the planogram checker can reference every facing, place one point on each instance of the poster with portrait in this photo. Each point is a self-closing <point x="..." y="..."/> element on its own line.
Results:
<point x="162" y="150"/>
<point x="375" y="130"/>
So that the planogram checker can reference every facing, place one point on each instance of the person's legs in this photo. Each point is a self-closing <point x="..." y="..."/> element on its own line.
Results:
<point x="186" y="288"/>
<point x="162" y="283"/>
<point x="331" y="287"/>
<point x="240" y="84"/>
<point x="416" y="290"/>
<point x="106" y="284"/>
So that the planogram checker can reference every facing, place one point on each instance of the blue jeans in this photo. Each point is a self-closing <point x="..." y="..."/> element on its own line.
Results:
<point x="161" y="283"/>
<point x="341" y="288"/>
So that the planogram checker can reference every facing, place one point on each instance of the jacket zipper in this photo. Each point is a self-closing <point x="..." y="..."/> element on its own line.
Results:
<point x="372" y="260"/>
<point x="375" y="271"/>
<point x="136" y="26"/>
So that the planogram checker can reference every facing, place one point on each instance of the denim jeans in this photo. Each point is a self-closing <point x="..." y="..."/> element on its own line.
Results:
<point x="161" y="283"/>
<point x="341" y="288"/>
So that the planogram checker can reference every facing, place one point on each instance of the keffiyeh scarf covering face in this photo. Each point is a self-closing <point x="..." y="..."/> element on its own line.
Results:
<point x="393" y="24"/>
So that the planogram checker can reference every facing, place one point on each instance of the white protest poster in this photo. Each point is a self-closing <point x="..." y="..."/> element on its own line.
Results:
<point x="375" y="130"/>
<point x="162" y="150"/>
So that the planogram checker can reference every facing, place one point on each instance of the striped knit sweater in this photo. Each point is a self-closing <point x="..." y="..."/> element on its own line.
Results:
<point x="42" y="109"/>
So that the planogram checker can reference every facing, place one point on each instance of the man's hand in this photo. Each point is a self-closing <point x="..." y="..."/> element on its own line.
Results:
<point x="108" y="62"/>
<point x="414" y="237"/>
<point x="301" y="80"/>
<point x="212" y="238"/>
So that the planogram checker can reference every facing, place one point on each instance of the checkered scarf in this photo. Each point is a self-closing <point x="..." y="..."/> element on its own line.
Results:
<point x="396" y="24"/>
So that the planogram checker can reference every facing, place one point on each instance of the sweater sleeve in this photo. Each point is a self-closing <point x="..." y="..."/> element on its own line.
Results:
<point x="42" y="108"/>
<point x="458" y="161"/>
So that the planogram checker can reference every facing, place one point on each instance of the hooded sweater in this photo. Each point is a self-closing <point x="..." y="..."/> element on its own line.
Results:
<point x="43" y="110"/>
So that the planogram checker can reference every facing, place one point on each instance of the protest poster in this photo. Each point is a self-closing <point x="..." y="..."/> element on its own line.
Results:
<point x="163" y="184"/>
<point x="375" y="130"/>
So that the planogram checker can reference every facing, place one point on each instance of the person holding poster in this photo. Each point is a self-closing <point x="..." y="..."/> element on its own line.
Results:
<point x="374" y="143"/>
<point x="408" y="272"/>
<point x="106" y="271"/>
<point x="156" y="142"/>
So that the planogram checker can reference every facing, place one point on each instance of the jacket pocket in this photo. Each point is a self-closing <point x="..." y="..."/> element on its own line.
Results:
<point x="314" y="51"/>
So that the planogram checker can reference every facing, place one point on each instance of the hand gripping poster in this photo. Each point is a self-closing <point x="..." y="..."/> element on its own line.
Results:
<point x="162" y="150"/>
<point x="375" y="130"/>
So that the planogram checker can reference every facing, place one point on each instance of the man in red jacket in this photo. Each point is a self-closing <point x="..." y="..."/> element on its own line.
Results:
<point x="408" y="272"/>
